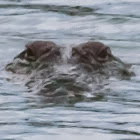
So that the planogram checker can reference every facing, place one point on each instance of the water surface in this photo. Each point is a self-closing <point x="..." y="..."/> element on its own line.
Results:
<point x="113" y="113"/>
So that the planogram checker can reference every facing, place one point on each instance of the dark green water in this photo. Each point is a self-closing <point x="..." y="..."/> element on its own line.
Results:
<point x="113" y="113"/>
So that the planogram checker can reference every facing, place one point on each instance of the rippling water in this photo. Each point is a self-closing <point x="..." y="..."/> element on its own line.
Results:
<point x="113" y="113"/>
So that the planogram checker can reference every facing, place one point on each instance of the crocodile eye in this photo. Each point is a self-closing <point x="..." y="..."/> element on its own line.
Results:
<point x="29" y="52"/>
<point x="103" y="54"/>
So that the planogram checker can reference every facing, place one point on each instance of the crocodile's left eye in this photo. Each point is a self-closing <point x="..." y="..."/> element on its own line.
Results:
<point x="103" y="54"/>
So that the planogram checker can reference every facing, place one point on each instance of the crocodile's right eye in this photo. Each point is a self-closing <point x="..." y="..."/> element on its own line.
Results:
<point x="29" y="52"/>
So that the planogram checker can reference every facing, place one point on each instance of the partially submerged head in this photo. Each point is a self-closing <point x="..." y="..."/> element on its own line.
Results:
<point x="93" y="53"/>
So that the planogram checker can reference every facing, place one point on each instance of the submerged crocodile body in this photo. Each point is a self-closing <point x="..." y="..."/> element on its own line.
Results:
<point x="86" y="72"/>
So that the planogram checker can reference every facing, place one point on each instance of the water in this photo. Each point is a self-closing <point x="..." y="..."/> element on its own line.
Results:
<point x="113" y="113"/>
